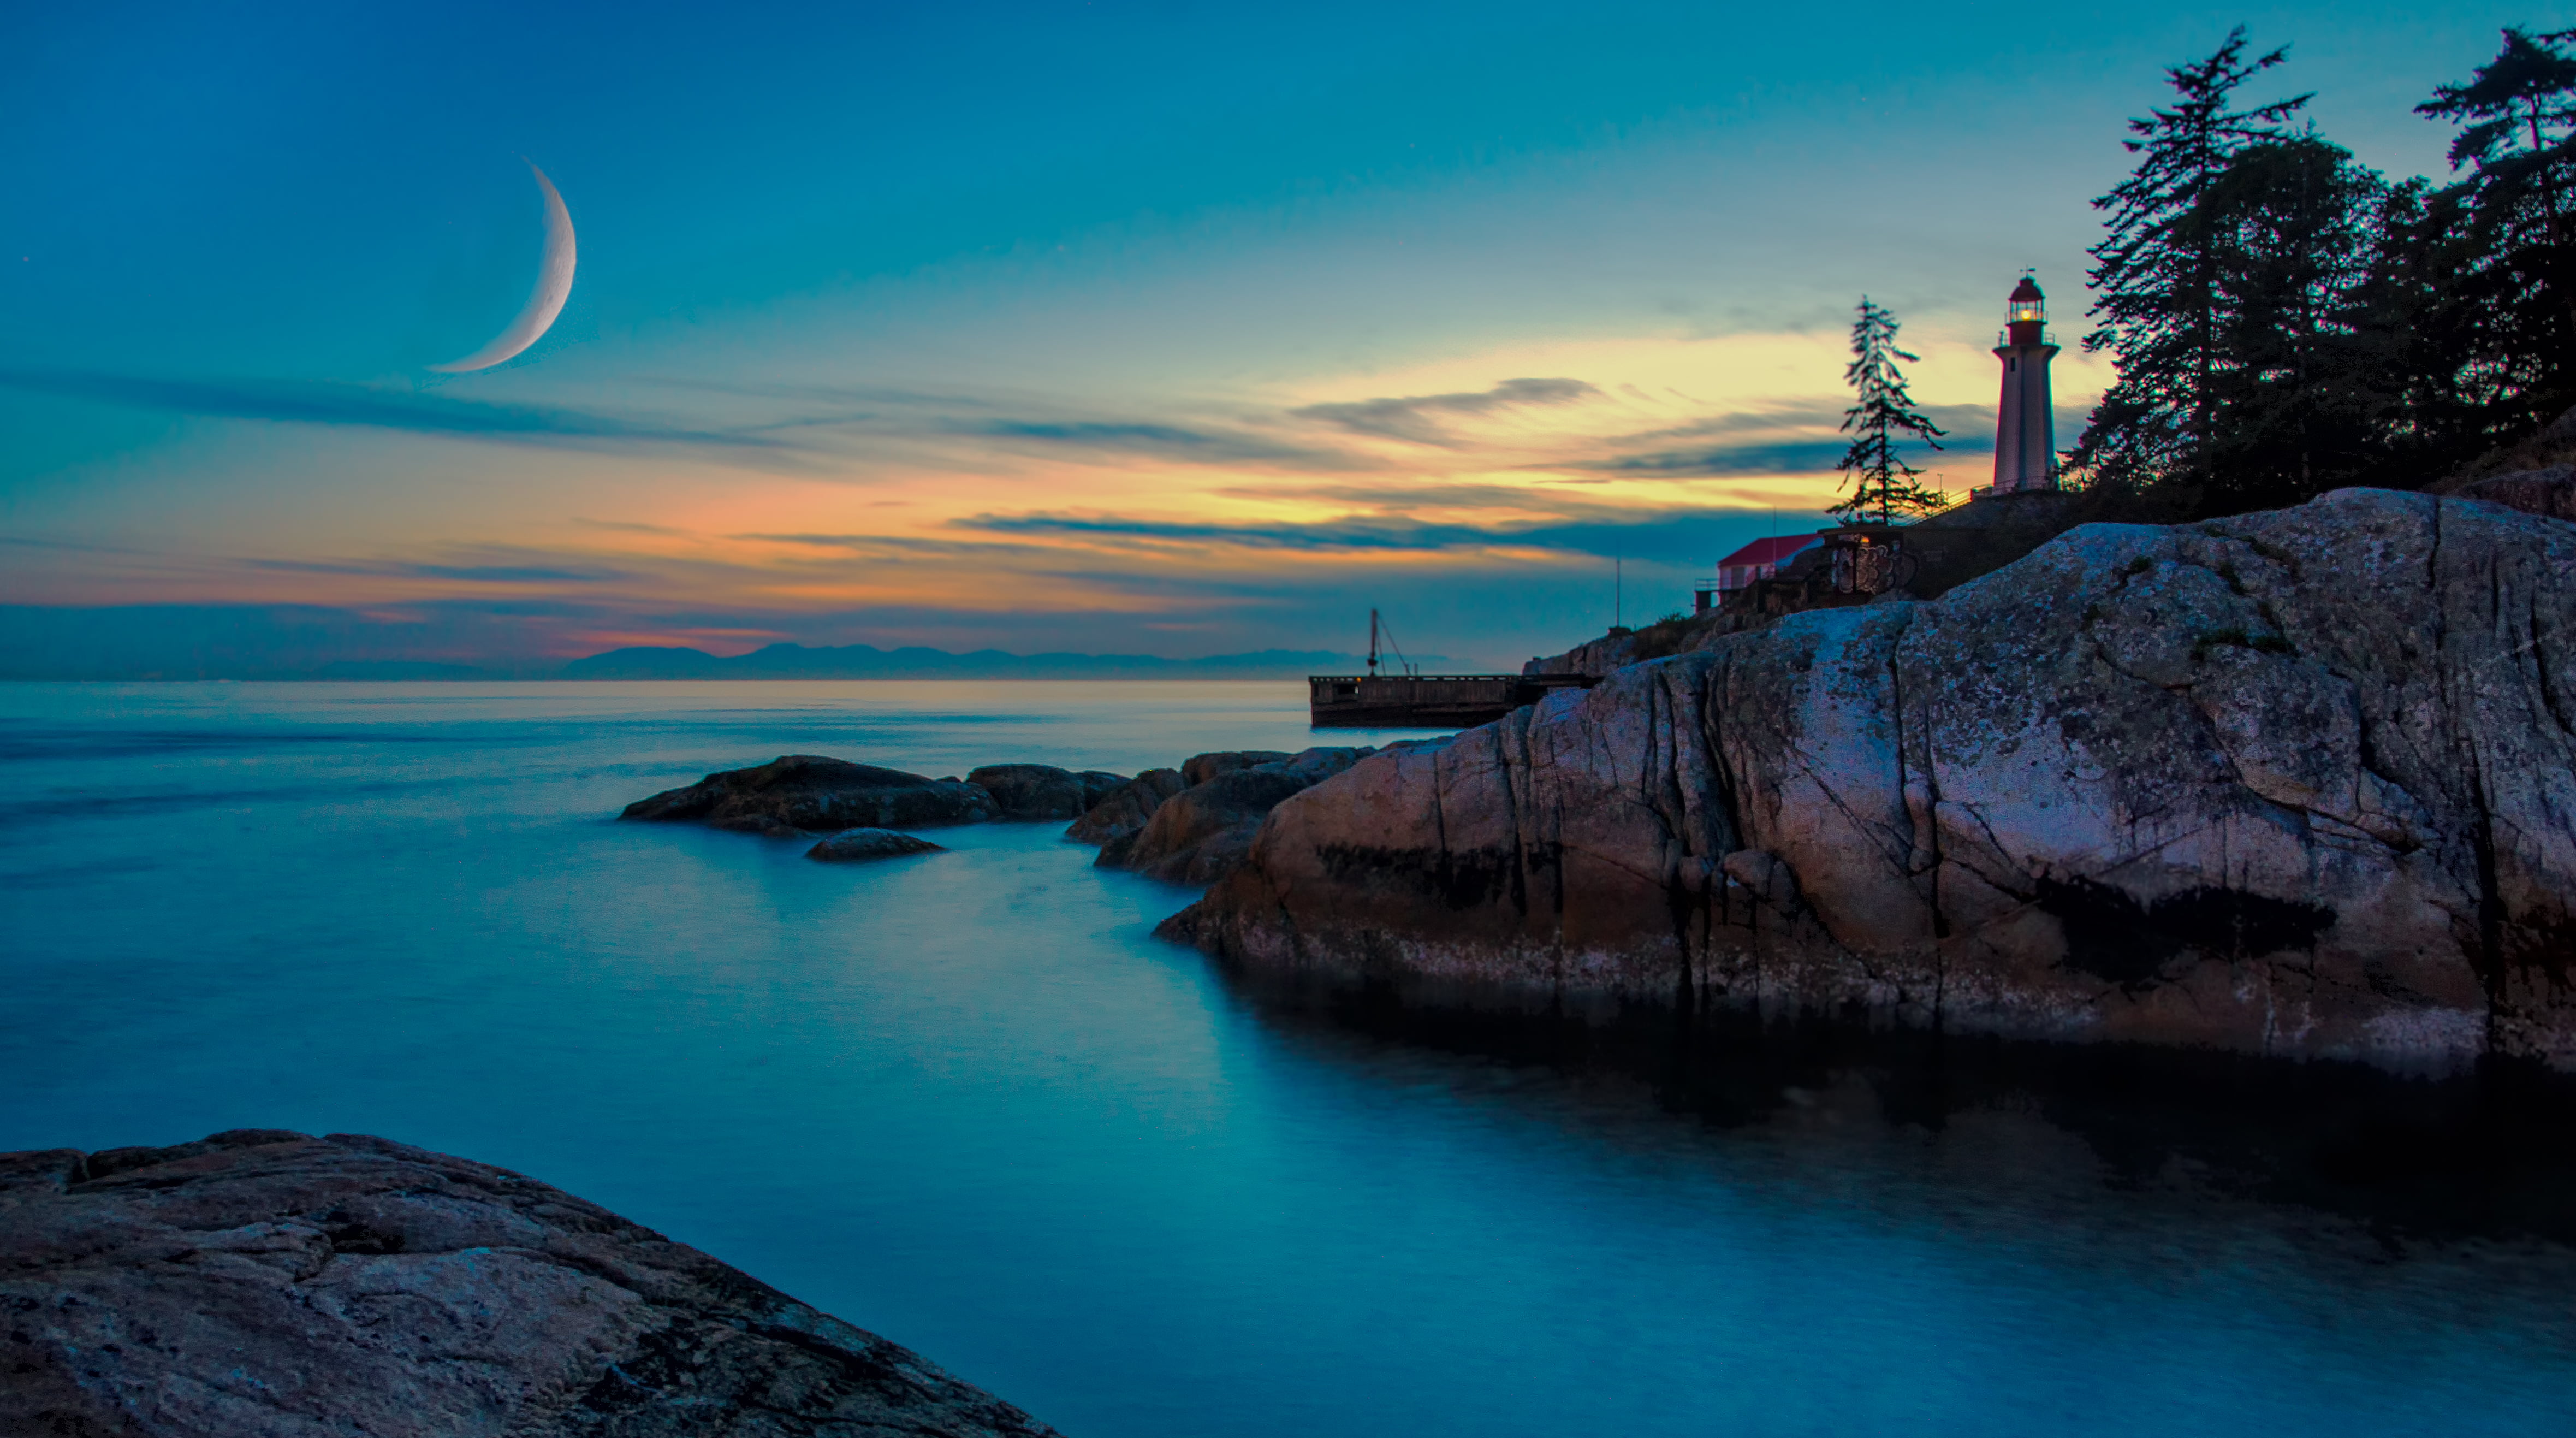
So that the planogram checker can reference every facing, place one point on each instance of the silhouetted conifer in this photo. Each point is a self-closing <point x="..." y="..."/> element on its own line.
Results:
<point x="2293" y="398"/>
<point x="2498" y="246"/>
<point x="1882" y="416"/>
<point x="2159" y="274"/>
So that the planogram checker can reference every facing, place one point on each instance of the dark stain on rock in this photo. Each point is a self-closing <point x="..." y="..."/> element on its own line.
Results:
<point x="2112" y="936"/>
<point x="350" y="1232"/>
<point x="1460" y="880"/>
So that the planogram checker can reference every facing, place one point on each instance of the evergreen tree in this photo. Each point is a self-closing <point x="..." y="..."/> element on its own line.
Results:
<point x="1882" y="416"/>
<point x="2158" y="273"/>
<point x="2499" y="244"/>
<point x="2292" y="392"/>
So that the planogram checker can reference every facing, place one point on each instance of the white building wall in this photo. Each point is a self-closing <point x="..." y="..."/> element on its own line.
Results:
<point x="2026" y="420"/>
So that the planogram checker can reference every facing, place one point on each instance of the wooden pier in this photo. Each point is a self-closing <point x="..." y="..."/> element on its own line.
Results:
<point x="1427" y="701"/>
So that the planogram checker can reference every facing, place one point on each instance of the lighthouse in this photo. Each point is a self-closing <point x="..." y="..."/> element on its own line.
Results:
<point x="2025" y="427"/>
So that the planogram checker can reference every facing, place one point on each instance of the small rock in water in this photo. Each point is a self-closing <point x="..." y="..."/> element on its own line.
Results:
<point x="806" y="791"/>
<point x="851" y="845"/>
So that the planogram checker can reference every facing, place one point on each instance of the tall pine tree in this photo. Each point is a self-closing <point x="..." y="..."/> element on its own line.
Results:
<point x="2292" y="392"/>
<point x="1882" y="416"/>
<point x="2158" y="273"/>
<point x="2499" y="244"/>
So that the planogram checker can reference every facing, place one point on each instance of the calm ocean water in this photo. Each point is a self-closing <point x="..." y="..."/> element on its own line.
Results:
<point x="966" y="1101"/>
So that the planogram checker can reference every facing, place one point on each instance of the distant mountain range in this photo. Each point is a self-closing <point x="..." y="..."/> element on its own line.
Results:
<point x="183" y="642"/>
<point x="862" y="661"/>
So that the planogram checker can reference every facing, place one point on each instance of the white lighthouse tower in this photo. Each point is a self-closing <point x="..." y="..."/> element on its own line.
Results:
<point x="2025" y="423"/>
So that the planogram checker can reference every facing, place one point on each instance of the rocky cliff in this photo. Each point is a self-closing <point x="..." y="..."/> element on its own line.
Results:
<point x="264" y="1282"/>
<point x="2301" y="782"/>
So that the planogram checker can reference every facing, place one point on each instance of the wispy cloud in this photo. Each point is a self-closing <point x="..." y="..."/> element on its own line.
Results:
<point x="318" y="402"/>
<point x="462" y="573"/>
<point x="1776" y="418"/>
<point x="1415" y="418"/>
<point x="1791" y="457"/>
<point x="1586" y="531"/>
<point x="1162" y="441"/>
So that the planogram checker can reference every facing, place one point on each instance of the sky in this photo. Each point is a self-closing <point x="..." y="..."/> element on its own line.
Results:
<point x="1122" y="328"/>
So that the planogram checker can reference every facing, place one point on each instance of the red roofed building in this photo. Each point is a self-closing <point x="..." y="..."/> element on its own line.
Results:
<point x="1761" y="560"/>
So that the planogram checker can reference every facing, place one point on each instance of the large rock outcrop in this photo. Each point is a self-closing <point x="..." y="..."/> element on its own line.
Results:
<point x="2301" y="782"/>
<point x="264" y="1282"/>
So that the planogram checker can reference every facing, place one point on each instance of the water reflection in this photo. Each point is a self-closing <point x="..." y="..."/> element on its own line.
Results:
<point x="2488" y="1155"/>
<point x="970" y="1103"/>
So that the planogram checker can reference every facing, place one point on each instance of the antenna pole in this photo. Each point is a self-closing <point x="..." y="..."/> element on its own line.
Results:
<point x="1372" y="662"/>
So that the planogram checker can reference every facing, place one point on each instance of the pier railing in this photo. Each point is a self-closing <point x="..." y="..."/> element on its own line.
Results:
<point x="1428" y="700"/>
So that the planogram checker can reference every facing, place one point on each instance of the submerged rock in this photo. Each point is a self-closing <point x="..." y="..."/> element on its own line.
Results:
<point x="1201" y="833"/>
<point x="2301" y="782"/>
<point x="260" y="1281"/>
<point x="854" y="845"/>
<point x="1125" y="809"/>
<point x="808" y="792"/>
<point x="1042" y="791"/>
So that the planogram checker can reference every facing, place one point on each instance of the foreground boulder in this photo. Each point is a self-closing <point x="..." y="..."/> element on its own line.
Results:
<point x="860" y="845"/>
<point x="1201" y="833"/>
<point x="1042" y="791"/>
<point x="2301" y="782"/>
<point x="265" y="1282"/>
<point x="800" y="792"/>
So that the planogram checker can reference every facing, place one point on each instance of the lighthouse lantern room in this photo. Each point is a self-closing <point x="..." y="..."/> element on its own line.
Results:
<point x="2025" y="423"/>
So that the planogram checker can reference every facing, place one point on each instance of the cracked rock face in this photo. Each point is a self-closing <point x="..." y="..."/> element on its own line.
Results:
<point x="264" y="1282"/>
<point x="2301" y="782"/>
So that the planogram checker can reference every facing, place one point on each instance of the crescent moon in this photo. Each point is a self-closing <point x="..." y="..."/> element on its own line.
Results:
<point x="554" y="286"/>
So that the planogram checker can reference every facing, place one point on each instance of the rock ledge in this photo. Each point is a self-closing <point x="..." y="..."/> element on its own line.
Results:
<point x="266" y="1282"/>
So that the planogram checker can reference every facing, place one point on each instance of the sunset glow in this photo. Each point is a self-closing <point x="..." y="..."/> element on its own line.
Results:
<point x="873" y="378"/>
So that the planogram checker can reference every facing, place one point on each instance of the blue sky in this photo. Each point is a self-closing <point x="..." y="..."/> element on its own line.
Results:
<point x="1142" y="328"/>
